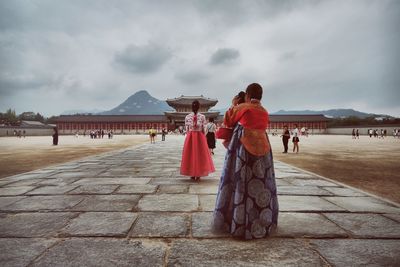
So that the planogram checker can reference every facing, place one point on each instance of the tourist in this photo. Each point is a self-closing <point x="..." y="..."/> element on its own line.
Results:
<point x="370" y="133"/>
<point x="295" y="139"/>
<point x="55" y="136"/>
<point x="357" y="134"/>
<point x="382" y="134"/>
<point x="24" y="133"/>
<point x="196" y="158"/>
<point x="353" y="134"/>
<point x="285" y="138"/>
<point x="210" y="134"/>
<point x="247" y="204"/>
<point x="163" y="133"/>
<point x="152" y="134"/>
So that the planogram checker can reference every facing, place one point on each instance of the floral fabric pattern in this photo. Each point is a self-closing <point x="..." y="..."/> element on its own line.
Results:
<point x="247" y="203"/>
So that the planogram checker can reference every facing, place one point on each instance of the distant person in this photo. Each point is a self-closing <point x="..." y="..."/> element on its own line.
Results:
<point x="376" y="133"/>
<point x="303" y="131"/>
<point x="210" y="134"/>
<point x="357" y="134"/>
<point x="382" y="134"/>
<point x="353" y="134"/>
<point x="370" y="133"/>
<point x="196" y="158"/>
<point x="295" y="139"/>
<point x="152" y="135"/>
<point x="55" y="136"/>
<point x="285" y="138"/>
<point x="102" y="133"/>
<point x="385" y="133"/>
<point x="19" y="133"/>
<point x="15" y="132"/>
<point x="163" y="134"/>
<point x="24" y="133"/>
<point x="109" y="134"/>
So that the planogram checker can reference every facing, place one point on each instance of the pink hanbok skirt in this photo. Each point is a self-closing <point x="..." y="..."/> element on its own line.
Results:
<point x="196" y="158"/>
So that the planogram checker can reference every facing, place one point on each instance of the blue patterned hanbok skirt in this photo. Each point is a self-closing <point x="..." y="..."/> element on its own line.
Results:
<point x="247" y="203"/>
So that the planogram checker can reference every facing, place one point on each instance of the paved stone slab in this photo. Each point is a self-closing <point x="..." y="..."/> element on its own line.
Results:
<point x="137" y="189"/>
<point x="16" y="252"/>
<point x="93" y="190"/>
<point x="26" y="182"/>
<point x="74" y="174"/>
<point x="312" y="225"/>
<point x="15" y="191"/>
<point x="52" y="190"/>
<point x="266" y="252"/>
<point x="363" y="204"/>
<point x="173" y="189"/>
<point x="103" y="252"/>
<point x="37" y="203"/>
<point x="343" y="191"/>
<point x="108" y="203"/>
<point x="315" y="182"/>
<point x="305" y="203"/>
<point x="118" y="181"/>
<point x="100" y="224"/>
<point x="302" y="190"/>
<point x="201" y="226"/>
<point x="207" y="202"/>
<point x="33" y="224"/>
<point x="168" y="202"/>
<point x="359" y="252"/>
<point x="5" y="201"/>
<point x="395" y="217"/>
<point x="366" y="225"/>
<point x="280" y="182"/>
<point x="57" y="181"/>
<point x="161" y="225"/>
<point x="203" y="189"/>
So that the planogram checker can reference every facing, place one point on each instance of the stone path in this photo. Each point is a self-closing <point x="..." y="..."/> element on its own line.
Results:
<point x="132" y="208"/>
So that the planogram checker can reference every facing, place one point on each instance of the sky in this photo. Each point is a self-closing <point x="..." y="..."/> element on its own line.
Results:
<point x="93" y="54"/>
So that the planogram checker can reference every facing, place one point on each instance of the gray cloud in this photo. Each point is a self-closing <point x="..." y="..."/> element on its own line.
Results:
<point x="143" y="59"/>
<point x="63" y="55"/>
<point x="224" y="55"/>
<point x="191" y="77"/>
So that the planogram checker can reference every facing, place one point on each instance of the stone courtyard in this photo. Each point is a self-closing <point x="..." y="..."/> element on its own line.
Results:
<point x="132" y="208"/>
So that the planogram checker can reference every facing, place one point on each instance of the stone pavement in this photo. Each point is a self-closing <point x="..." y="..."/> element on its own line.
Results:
<point x="132" y="208"/>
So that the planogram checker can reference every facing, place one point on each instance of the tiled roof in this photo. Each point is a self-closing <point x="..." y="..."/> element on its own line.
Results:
<point x="187" y="100"/>
<point x="112" y="118"/>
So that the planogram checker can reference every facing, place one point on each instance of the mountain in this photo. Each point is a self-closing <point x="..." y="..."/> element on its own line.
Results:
<point x="333" y="113"/>
<point x="140" y="103"/>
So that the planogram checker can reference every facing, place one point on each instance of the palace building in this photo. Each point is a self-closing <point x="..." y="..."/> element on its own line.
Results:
<point x="171" y="120"/>
<point x="183" y="106"/>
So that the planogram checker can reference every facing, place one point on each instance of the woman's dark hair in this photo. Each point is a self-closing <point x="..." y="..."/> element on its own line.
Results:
<point x="242" y="97"/>
<point x="254" y="91"/>
<point x="195" y="106"/>
<point x="211" y="119"/>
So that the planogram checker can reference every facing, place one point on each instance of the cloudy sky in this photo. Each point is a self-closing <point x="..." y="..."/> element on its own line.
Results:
<point x="83" y="54"/>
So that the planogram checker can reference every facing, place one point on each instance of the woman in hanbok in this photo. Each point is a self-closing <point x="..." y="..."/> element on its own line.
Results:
<point x="196" y="158"/>
<point x="247" y="204"/>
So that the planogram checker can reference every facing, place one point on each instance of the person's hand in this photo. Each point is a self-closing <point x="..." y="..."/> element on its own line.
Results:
<point x="235" y="101"/>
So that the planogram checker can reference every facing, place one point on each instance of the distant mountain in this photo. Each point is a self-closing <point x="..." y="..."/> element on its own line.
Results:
<point x="81" y="111"/>
<point x="333" y="113"/>
<point x="140" y="103"/>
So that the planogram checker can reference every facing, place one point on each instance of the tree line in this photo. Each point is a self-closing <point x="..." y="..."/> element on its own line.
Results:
<point x="10" y="118"/>
<point x="353" y="121"/>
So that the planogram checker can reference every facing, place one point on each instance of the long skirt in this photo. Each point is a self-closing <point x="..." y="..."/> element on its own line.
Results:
<point x="196" y="158"/>
<point x="211" y="140"/>
<point x="247" y="204"/>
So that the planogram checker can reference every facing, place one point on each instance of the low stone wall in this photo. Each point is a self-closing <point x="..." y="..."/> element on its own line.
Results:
<point x="363" y="130"/>
<point x="9" y="131"/>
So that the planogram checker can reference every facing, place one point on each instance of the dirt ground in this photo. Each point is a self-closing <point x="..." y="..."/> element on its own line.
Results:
<point x="18" y="155"/>
<point x="370" y="164"/>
